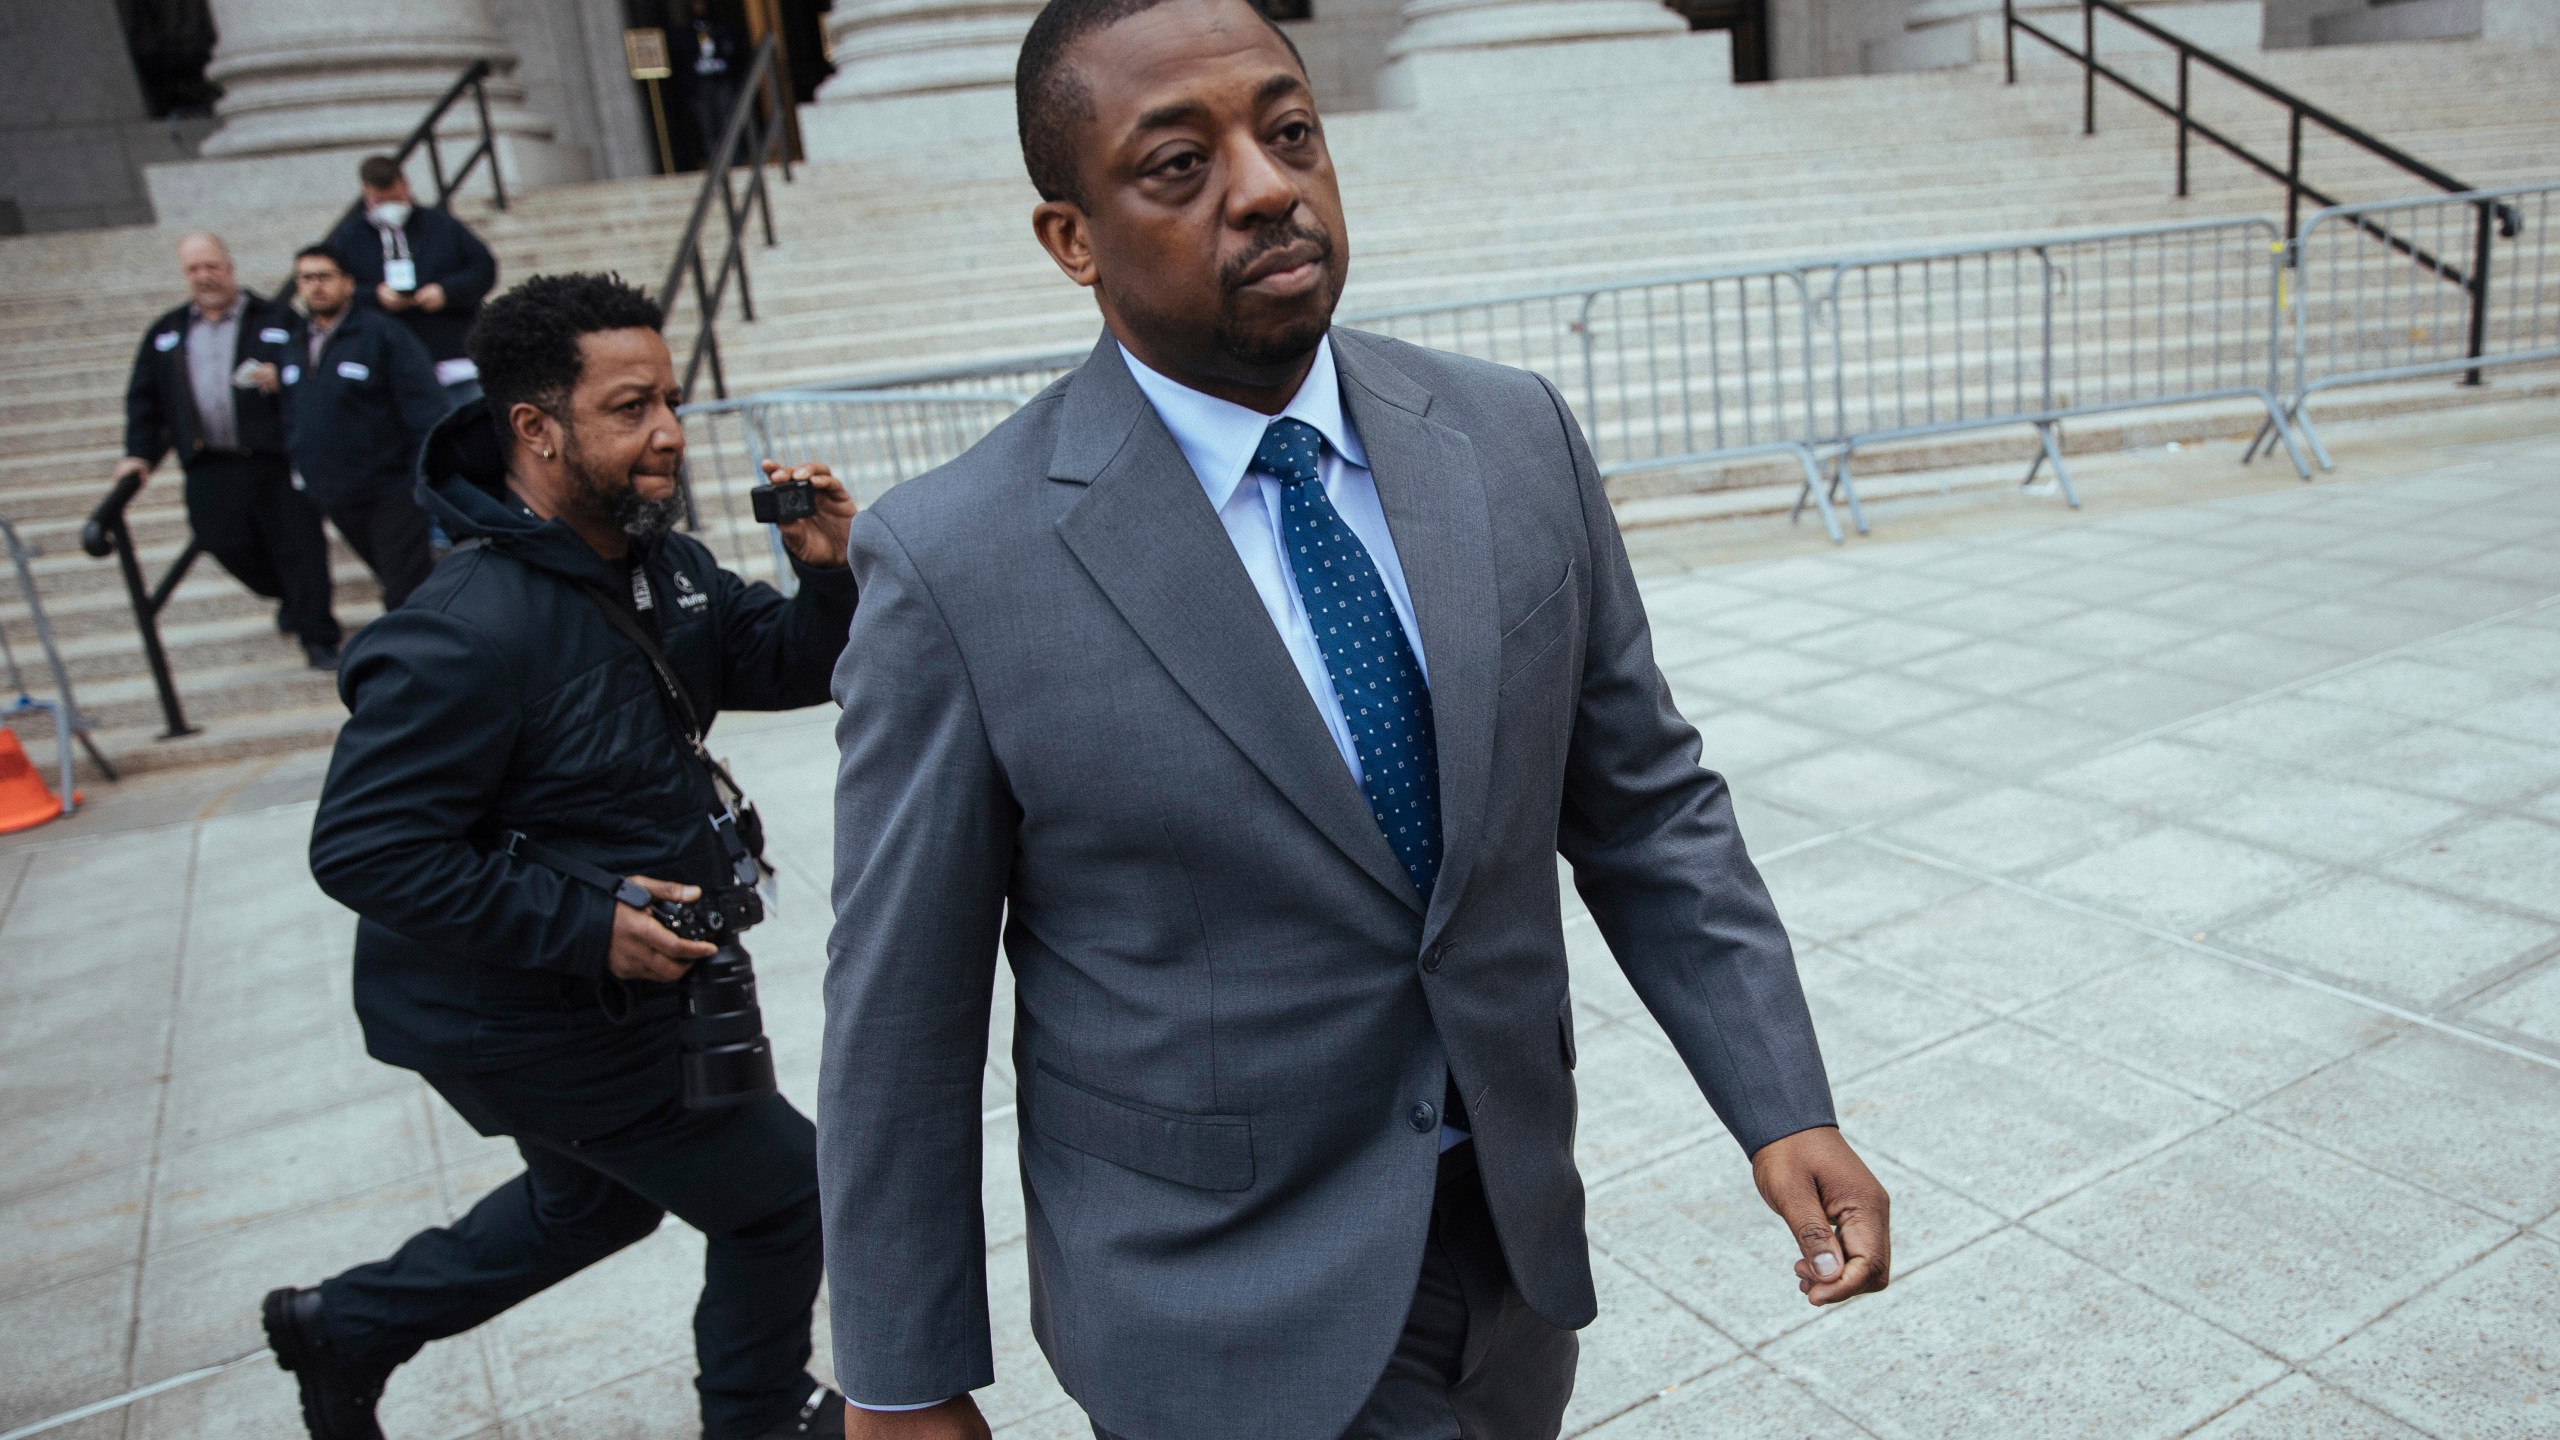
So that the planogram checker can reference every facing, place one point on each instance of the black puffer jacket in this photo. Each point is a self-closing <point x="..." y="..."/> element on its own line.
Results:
<point x="501" y="698"/>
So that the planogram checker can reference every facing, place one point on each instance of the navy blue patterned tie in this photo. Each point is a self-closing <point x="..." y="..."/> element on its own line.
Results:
<point x="1375" y="675"/>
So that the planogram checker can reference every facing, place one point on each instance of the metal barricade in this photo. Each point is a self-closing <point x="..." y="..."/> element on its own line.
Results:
<point x="64" y="709"/>
<point x="1932" y="342"/>
<point x="2480" y="289"/>
<point x="872" y="440"/>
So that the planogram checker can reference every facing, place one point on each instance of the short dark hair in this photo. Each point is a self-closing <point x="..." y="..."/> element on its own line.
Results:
<point x="1050" y="101"/>
<point x="319" y="252"/>
<point x="379" y="172"/>
<point x="526" y="341"/>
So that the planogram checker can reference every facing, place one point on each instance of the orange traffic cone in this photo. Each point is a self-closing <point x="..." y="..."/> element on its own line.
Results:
<point x="24" y="801"/>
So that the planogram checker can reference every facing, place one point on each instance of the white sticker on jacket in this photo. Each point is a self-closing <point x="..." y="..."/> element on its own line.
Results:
<point x="292" y="373"/>
<point x="165" y="341"/>
<point x="352" y="370"/>
<point x="274" y="335"/>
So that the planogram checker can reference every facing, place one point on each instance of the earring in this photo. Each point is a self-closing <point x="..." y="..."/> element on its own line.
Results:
<point x="546" y="454"/>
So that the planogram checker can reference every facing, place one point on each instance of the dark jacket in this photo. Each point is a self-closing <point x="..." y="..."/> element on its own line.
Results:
<point x="500" y="698"/>
<point x="447" y="254"/>
<point x="159" y="401"/>
<point x="354" y="419"/>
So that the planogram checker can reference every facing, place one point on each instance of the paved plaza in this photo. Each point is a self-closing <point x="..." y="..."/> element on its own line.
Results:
<point x="2177" y="886"/>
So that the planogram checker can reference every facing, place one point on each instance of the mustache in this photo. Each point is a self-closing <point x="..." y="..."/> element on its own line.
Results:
<point x="1236" y="273"/>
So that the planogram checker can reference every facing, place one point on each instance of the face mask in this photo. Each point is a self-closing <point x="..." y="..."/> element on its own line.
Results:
<point x="390" y="214"/>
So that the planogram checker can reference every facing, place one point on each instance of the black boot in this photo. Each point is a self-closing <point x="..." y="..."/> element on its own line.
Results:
<point x="337" y="1401"/>
<point x="821" y="1417"/>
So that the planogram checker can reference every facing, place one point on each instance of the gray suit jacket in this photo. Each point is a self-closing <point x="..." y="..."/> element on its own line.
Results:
<point x="1068" y="719"/>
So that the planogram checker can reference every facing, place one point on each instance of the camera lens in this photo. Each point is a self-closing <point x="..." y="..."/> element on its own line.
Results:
<point x="726" y="1058"/>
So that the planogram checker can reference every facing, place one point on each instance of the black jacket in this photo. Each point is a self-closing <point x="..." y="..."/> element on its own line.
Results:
<point x="500" y="698"/>
<point x="159" y="401"/>
<point x="447" y="254"/>
<point x="354" y="419"/>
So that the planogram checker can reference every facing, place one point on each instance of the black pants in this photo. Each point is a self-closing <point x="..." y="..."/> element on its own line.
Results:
<point x="389" y="532"/>
<point x="746" y="1177"/>
<point x="246" y="514"/>
<point x="1474" y="1361"/>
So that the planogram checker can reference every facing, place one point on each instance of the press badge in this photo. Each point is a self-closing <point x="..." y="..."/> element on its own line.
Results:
<point x="351" y="370"/>
<point x="273" y="336"/>
<point x="292" y="373"/>
<point x="401" y="275"/>
<point x="165" y="341"/>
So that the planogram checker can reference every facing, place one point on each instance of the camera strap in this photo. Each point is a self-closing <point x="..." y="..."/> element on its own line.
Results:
<point x="525" y="847"/>
<point x="741" y="829"/>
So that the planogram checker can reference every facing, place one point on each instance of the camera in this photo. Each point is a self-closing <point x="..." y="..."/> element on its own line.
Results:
<point x="720" y="1038"/>
<point x="782" y="503"/>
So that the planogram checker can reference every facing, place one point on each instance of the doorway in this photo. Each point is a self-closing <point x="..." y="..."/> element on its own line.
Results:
<point x="1747" y="21"/>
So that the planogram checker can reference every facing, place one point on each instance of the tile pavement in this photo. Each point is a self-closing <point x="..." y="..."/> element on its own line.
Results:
<point x="2175" y="890"/>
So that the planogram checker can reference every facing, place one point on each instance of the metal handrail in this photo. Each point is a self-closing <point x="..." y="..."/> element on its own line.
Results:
<point x="765" y="144"/>
<point x="2474" y="279"/>
<point x="68" y="722"/>
<point x="106" y="533"/>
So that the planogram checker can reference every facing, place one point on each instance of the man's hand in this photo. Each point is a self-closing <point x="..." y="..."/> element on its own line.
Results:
<point x="1841" y="1217"/>
<point x="953" y="1419"/>
<point x="389" y="298"/>
<point x="132" y="465"/>
<point x="429" y="298"/>
<point x="259" y="375"/>
<point x="642" y="948"/>
<point x="819" y="541"/>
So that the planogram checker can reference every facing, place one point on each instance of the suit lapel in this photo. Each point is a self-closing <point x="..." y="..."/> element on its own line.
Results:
<point x="1145" y="533"/>
<point x="1433" y="494"/>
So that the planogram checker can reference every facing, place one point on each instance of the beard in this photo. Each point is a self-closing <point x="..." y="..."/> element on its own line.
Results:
<point x="614" y="499"/>
<point x="1298" y="333"/>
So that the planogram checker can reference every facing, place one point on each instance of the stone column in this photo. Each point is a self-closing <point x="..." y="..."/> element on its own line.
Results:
<point x="1453" y="48"/>
<point x="918" y="72"/>
<point x="309" y="86"/>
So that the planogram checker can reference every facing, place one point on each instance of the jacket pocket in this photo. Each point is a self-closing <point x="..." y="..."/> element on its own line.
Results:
<point x="1564" y="1032"/>
<point x="1206" y="1152"/>
<point x="1539" y="629"/>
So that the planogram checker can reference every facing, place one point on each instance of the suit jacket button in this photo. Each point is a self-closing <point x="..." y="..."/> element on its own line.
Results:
<point x="1431" y="958"/>
<point x="1425" y="1118"/>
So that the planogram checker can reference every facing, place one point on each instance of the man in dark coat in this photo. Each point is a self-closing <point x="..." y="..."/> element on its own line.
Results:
<point x="419" y="263"/>
<point x="359" y="401"/>
<point x="512" y="748"/>
<point x="208" y="382"/>
<point x="712" y="57"/>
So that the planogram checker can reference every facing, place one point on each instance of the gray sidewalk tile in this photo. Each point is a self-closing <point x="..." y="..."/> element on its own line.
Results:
<point x="1858" y="782"/>
<point x="2355" y="624"/>
<point x="2498" y="858"/>
<point x="1965" y="1349"/>
<point x="2100" y="583"/>
<point x="1744" y="1401"/>
<point x="1642" y="1340"/>
<point x="2466" y="1122"/>
<point x="1755" y="673"/>
<point x="1998" y="667"/>
<point x="2002" y="949"/>
<point x="2441" y="760"/>
<point x="2013" y="1120"/>
<point x="2533" y="564"/>
<point x="2166" y="776"/>
<point x="1869" y="702"/>
<point x="2001" y="614"/>
<point x="269" y="1087"/>
<point x="1767" y="826"/>
<point x="2457" y="597"/>
<point x="1024" y="1384"/>
<point x="2328" y="818"/>
<point x="1974" y="563"/>
<point x="200" y="1302"/>
<point x="2117" y="634"/>
<point x="2471" y="1359"/>
<point x="1638" y="1101"/>
<point x="2416" y="687"/>
<point x="2297" y="728"/>
<point x="2529" y="1005"/>
<point x="2285" y="1245"/>
<point x="2179" y="878"/>
<point x="102" y="1131"/>
<point x="2532" y="717"/>
<point x="2208" y="1026"/>
<point x="1741" y="740"/>
<point x="1833" y="889"/>
<point x="627" y="1313"/>
<point x="66" y="1346"/>
<point x="2217" y="602"/>
<point x="2300" y="1408"/>
<point x="1677" y="647"/>
<point x="2015" y="829"/>
<point x="2410" y="945"/>
<point x="2249" y="659"/>
<point x="1771" y="621"/>
<point x="1000" y="1180"/>
<point x="1694" y="1227"/>
<point x="2133" y="697"/>
<point x="362" y="1145"/>
<point x="87" y="1226"/>
<point x="1883" y="638"/>
<point x="2528" y="652"/>
<point x="443" y="1394"/>
<point x="2405" y="549"/>
<point x="1600" y="989"/>
<point x="1866" y="1017"/>
<point x="656" y="1402"/>
<point x="2000" y="738"/>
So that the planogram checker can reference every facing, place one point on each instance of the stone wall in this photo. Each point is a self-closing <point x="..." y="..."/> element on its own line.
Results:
<point x="74" y="133"/>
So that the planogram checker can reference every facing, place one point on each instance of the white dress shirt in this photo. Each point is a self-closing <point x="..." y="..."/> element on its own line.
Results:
<point x="1219" y="437"/>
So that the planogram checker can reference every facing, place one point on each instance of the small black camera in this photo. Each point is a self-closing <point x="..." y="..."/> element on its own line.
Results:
<point x="716" y="918"/>
<point x="782" y="503"/>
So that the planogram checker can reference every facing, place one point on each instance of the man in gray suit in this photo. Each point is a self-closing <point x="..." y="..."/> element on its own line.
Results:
<point x="1245" y="685"/>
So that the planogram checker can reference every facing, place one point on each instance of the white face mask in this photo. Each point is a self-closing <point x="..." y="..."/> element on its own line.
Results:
<point x="390" y="214"/>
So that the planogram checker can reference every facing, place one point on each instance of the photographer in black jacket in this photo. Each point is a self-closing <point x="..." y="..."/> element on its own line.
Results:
<point x="419" y="264"/>
<point x="519" y="747"/>
<point x="358" y="403"/>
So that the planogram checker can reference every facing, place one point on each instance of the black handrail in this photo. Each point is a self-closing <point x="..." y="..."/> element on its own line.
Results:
<point x="2474" y="280"/>
<point x="763" y="143"/>
<point x="106" y="533"/>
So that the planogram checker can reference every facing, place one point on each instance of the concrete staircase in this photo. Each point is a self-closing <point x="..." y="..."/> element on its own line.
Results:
<point x="890" y="267"/>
